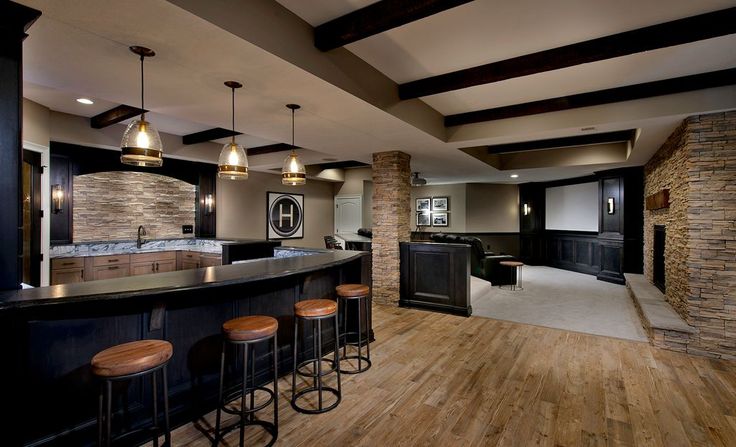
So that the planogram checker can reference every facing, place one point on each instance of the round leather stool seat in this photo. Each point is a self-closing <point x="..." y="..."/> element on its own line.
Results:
<point x="352" y="290"/>
<point x="512" y="263"/>
<point x="315" y="308"/>
<point x="250" y="328"/>
<point x="131" y="358"/>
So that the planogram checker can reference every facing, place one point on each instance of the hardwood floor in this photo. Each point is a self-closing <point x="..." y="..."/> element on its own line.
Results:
<point x="446" y="380"/>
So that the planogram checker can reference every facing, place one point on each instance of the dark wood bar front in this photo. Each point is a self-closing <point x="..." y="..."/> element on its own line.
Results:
<point x="49" y="335"/>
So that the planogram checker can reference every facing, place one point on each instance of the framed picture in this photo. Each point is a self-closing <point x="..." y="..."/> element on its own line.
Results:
<point x="440" y="219"/>
<point x="284" y="215"/>
<point x="423" y="219"/>
<point x="423" y="204"/>
<point x="440" y="203"/>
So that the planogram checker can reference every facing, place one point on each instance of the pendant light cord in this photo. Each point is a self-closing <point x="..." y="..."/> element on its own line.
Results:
<point x="143" y="108"/>
<point x="233" y="109"/>
<point x="292" y="132"/>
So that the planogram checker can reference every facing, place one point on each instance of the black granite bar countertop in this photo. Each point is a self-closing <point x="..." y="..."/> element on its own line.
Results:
<point x="161" y="283"/>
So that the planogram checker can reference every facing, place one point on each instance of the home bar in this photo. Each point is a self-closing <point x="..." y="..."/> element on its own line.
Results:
<point x="367" y="223"/>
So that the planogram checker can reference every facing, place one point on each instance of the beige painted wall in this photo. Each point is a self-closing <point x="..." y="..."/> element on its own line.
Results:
<point x="241" y="208"/>
<point x="457" y="213"/>
<point x="36" y="123"/>
<point x="492" y="208"/>
<point x="353" y="183"/>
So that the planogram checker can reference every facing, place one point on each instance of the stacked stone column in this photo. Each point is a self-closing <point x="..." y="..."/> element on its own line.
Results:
<point x="391" y="221"/>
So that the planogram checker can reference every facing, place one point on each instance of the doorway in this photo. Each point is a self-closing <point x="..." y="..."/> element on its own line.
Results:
<point x="348" y="214"/>
<point x="31" y="218"/>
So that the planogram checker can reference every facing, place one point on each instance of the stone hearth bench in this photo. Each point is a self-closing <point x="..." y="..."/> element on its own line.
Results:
<point x="665" y="328"/>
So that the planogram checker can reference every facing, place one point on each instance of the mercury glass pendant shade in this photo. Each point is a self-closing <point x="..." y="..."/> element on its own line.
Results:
<point x="293" y="172"/>
<point x="233" y="163"/>
<point x="141" y="145"/>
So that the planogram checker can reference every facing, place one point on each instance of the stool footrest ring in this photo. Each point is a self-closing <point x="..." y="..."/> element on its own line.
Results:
<point x="315" y="390"/>
<point x="272" y="429"/>
<point x="313" y="375"/>
<point x="355" y="357"/>
<point x="235" y="395"/>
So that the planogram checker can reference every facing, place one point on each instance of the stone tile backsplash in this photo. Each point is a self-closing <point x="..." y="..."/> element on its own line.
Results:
<point x="109" y="206"/>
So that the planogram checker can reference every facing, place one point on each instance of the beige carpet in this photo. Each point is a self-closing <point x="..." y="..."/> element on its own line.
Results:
<point x="564" y="300"/>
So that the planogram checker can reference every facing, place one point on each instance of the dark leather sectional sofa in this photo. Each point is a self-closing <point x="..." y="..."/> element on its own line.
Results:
<point x="484" y="265"/>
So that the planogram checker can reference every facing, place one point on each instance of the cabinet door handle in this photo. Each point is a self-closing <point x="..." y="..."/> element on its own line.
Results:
<point x="157" y="266"/>
<point x="153" y="266"/>
<point x="67" y="263"/>
<point x="113" y="267"/>
<point x="112" y="260"/>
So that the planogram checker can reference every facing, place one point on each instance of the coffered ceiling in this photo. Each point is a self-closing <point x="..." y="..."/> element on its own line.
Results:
<point x="350" y="94"/>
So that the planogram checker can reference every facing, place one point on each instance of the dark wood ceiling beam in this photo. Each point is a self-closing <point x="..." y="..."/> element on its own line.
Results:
<point x="678" y="32"/>
<point x="619" y="94"/>
<point x="556" y="143"/>
<point x="376" y="18"/>
<point x="209" y="135"/>
<point x="114" y="116"/>
<point x="270" y="149"/>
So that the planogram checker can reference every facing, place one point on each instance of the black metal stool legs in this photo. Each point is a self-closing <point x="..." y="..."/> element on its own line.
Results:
<point x="247" y="394"/>
<point x="361" y="341"/>
<point x="104" y="415"/>
<point x="317" y="373"/>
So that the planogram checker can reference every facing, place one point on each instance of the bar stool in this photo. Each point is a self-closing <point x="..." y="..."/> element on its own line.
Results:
<point x="345" y="294"/>
<point x="247" y="331"/>
<point x="316" y="311"/>
<point x="517" y="266"/>
<point x="127" y="361"/>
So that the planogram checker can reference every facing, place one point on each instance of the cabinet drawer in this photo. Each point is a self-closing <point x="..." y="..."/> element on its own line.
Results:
<point x="99" y="261"/>
<point x="190" y="256"/>
<point x="111" y="271"/>
<point x="153" y="257"/>
<point x="67" y="263"/>
<point x="209" y="261"/>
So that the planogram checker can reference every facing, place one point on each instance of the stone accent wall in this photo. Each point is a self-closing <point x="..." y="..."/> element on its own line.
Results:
<point x="391" y="221"/>
<point x="699" y="163"/>
<point x="110" y="206"/>
<point x="667" y="169"/>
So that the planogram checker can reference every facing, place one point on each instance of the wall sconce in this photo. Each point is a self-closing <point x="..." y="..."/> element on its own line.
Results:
<point x="527" y="209"/>
<point x="57" y="198"/>
<point x="611" y="206"/>
<point x="209" y="204"/>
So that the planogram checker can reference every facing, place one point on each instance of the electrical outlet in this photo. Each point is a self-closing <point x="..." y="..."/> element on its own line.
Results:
<point x="187" y="229"/>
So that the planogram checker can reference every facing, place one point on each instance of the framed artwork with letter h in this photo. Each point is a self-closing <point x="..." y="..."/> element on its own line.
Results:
<point x="284" y="216"/>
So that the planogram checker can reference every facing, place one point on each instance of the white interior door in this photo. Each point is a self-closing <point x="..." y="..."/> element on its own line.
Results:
<point x="348" y="214"/>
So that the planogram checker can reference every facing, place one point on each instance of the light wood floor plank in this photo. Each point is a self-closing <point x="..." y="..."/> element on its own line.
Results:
<point x="445" y="380"/>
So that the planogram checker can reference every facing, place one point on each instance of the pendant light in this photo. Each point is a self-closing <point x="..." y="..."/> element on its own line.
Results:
<point x="293" y="172"/>
<point x="233" y="162"/>
<point x="141" y="143"/>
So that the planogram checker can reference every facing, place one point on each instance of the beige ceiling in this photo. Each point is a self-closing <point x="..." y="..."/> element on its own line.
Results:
<point x="79" y="48"/>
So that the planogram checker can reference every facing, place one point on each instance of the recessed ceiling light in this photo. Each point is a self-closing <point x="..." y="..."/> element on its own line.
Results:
<point x="85" y="101"/>
<point x="514" y="176"/>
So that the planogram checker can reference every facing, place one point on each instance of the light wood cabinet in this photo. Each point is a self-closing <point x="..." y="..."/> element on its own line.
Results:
<point x="110" y="271"/>
<point x="67" y="270"/>
<point x="67" y="276"/>
<point x="207" y="260"/>
<point x="92" y="268"/>
<point x="158" y="262"/>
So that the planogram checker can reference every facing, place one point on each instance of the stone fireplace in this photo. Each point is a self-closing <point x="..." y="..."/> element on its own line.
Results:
<point x="697" y="231"/>
<point x="658" y="244"/>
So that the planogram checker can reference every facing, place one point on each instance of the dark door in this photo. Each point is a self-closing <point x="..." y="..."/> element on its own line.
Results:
<point x="32" y="218"/>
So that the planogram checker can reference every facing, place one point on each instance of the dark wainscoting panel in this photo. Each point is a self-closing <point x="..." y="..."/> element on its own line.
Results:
<point x="573" y="250"/>
<point x="612" y="261"/>
<point x="436" y="276"/>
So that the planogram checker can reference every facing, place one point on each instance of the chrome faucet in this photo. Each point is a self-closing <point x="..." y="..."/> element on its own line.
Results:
<point x="141" y="232"/>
